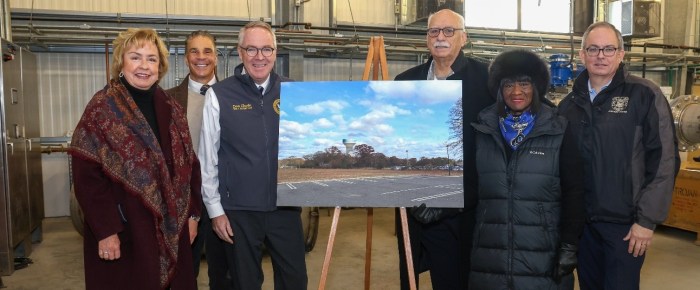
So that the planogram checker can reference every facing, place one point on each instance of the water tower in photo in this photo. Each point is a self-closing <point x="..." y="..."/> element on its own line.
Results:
<point x="349" y="144"/>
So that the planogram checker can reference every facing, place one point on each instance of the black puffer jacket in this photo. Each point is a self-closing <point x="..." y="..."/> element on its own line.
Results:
<point x="525" y="204"/>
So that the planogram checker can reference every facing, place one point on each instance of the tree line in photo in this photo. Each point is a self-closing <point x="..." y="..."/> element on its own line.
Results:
<point x="364" y="156"/>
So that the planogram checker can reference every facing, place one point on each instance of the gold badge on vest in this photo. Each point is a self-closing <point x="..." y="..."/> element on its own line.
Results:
<point x="276" y="106"/>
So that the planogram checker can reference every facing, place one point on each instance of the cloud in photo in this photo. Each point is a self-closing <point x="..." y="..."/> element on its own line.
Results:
<point x="294" y="130"/>
<point x="390" y="116"/>
<point x="333" y="106"/>
<point x="323" y="123"/>
<point x="426" y="92"/>
<point x="425" y="112"/>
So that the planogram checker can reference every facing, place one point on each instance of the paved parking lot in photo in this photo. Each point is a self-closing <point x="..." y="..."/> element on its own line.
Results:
<point x="380" y="191"/>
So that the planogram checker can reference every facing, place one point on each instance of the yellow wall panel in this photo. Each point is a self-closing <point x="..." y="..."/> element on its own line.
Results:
<point x="374" y="12"/>
<point x="217" y="8"/>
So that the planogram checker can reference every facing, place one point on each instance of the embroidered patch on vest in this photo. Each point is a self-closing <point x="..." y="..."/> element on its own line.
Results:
<point x="619" y="105"/>
<point x="242" y="107"/>
<point x="276" y="106"/>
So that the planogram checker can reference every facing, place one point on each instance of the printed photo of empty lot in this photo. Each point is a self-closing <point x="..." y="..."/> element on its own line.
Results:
<point x="401" y="138"/>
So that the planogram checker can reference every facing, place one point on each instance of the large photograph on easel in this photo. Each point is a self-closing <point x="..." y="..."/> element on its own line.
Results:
<point x="370" y="144"/>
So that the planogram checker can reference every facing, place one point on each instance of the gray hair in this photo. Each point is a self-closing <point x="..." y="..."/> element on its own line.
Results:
<point x="258" y="24"/>
<point x="461" y="18"/>
<point x="620" y="42"/>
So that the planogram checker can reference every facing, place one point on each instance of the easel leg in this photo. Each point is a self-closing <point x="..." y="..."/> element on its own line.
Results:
<point x="329" y="249"/>
<point x="368" y="247"/>
<point x="407" y="247"/>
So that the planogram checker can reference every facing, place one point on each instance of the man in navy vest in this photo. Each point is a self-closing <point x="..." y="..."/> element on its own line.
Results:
<point x="238" y="150"/>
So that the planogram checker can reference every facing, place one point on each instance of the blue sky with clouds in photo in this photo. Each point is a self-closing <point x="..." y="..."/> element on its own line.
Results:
<point x="390" y="116"/>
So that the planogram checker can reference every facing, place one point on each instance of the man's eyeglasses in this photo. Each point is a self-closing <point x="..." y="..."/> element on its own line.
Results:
<point x="253" y="51"/>
<point x="593" y="51"/>
<point x="447" y="31"/>
<point x="509" y="86"/>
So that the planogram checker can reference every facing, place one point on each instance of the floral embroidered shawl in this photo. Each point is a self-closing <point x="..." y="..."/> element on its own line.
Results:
<point x="114" y="133"/>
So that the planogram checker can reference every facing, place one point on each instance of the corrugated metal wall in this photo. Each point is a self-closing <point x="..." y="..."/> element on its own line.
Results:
<point x="330" y="69"/>
<point x="223" y="8"/>
<point x="365" y="12"/>
<point x="374" y="12"/>
<point x="68" y="80"/>
<point x="317" y="12"/>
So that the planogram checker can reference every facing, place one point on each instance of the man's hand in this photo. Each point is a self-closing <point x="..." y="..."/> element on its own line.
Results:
<point x="424" y="214"/>
<point x="193" y="229"/>
<point x="108" y="248"/>
<point x="640" y="240"/>
<point x="222" y="228"/>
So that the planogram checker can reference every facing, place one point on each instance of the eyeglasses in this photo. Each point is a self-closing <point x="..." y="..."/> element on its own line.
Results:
<point x="593" y="51"/>
<point x="447" y="31"/>
<point x="253" y="51"/>
<point x="509" y="87"/>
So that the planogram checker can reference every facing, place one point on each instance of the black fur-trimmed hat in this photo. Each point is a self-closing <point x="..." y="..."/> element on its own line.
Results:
<point x="516" y="63"/>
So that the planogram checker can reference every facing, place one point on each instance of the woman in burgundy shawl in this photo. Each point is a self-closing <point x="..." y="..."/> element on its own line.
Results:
<point x="136" y="175"/>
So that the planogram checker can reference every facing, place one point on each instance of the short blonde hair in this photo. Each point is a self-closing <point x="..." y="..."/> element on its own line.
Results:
<point x="138" y="37"/>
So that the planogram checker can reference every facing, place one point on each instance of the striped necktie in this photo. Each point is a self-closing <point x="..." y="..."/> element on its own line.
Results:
<point x="204" y="89"/>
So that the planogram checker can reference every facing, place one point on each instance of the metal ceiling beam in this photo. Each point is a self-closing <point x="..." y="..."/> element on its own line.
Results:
<point x="52" y="31"/>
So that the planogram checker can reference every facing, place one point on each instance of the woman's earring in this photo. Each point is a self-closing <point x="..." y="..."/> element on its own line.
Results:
<point x="121" y="74"/>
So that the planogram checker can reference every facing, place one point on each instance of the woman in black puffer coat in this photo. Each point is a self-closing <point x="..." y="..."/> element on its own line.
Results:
<point x="530" y="211"/>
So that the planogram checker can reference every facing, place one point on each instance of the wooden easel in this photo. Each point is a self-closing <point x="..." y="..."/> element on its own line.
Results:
<point x="376" y="60"/>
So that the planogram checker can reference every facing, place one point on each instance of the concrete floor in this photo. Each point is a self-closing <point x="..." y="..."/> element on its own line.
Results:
<point x="673" y="261"/>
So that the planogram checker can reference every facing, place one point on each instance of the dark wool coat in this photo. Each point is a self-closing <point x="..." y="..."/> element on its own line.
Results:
<point x="138" y="267"/>
<point x="180" y="92"/>
<point x="475" y="97"/>
<point x="521" y="199"/>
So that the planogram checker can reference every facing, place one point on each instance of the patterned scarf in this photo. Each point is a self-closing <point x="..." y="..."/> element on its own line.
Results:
<point x="114" y="133"/>
<point x="515" y="128"/>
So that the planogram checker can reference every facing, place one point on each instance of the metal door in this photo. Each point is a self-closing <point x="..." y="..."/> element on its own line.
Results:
<point x="32" y="134"/>
<point x="15" y="144"/>
<point x="6" y="254"/>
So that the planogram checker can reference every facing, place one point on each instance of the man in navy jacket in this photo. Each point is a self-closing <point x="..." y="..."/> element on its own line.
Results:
<point x="627" y="140"/>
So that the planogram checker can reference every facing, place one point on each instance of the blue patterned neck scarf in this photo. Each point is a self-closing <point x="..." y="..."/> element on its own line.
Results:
<point x="515" y="128"/>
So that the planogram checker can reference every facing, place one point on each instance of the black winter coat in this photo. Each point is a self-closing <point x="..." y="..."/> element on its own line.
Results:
<point x="627" y="139"/>
<point x="475" y="97"/>
<point x="521" y="203"/>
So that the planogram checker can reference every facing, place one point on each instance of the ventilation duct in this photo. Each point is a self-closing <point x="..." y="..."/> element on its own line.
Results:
<point x="638" y="19"/>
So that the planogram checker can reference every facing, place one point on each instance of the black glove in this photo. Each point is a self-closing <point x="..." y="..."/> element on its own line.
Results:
<point x="426" y="215"/>
<point x="566" y="261"/>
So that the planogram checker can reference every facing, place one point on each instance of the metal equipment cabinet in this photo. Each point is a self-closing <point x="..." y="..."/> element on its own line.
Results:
<point x="22" y="197"/>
